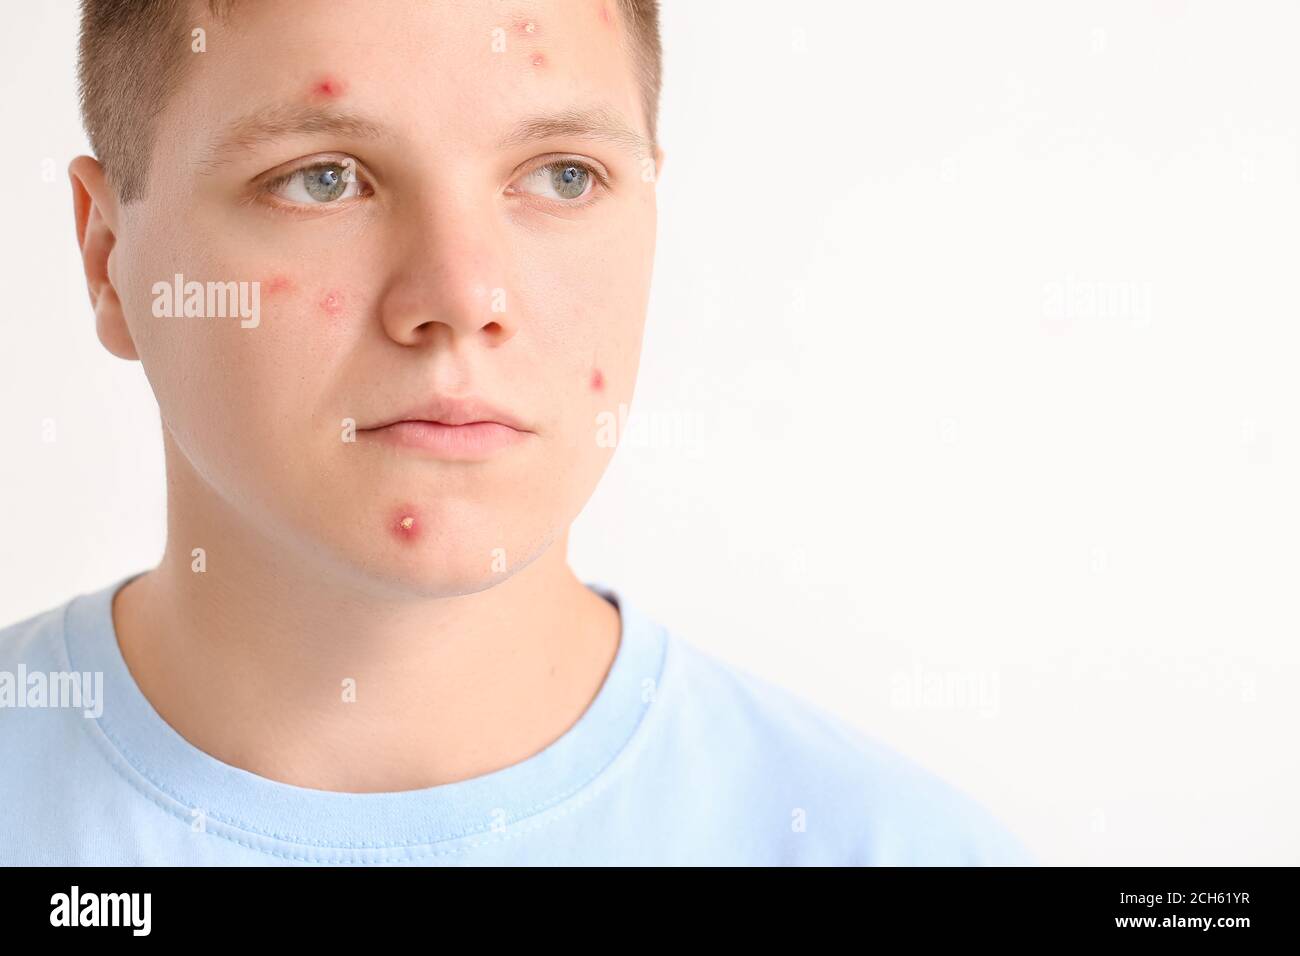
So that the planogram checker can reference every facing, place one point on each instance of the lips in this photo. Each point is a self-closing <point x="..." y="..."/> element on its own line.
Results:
<point x="459" y="429"/>
<point x="454" y="411"/>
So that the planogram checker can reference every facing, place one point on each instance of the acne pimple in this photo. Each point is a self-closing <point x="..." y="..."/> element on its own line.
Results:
<point x="404" y="524"/>
<point x="604" y="15"/>
<point x="332" y="303"/>
<point x="538" y="59"/>
<point x="327" y="87"/>
<point x="528" y="26"/>
<point x="278" y="283"/>
<point x="597" y="380"/>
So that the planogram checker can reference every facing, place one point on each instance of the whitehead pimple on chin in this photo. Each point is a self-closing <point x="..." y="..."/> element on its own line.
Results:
<point x="405" y="524"/>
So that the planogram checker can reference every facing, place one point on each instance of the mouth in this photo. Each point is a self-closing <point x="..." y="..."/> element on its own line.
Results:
<point x="468" y="442"/>
<point x="451" y="429"/>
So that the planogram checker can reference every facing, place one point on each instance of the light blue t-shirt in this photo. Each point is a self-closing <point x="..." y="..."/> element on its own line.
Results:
<point x="680" y="759"/>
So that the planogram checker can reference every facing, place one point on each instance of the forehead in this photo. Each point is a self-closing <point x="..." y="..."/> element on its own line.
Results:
<point x="462" y="70"/>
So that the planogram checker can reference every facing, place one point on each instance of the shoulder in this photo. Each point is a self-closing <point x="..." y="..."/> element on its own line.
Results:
<point x="846" y="796"/>
<point x="34" y="678"/>
<point x="34" y="640"/>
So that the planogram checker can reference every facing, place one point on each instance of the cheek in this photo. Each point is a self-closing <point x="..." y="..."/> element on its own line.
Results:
<point x="305" y="336"/>
<point x="587" y="326"/>
<point x="301" y="306"/>
<point x="284" y="289"/>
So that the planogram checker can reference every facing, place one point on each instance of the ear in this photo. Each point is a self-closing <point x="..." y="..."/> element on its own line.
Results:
<point x="96" y="211"/>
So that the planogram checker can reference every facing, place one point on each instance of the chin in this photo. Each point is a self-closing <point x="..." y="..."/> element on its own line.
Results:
<point x="438" y="582"/>
<point x="453" y="550"/>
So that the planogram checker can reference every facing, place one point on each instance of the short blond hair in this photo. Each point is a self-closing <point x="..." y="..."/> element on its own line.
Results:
<point x="132" y="57"/>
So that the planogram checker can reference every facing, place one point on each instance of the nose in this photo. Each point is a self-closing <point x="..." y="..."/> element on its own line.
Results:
<point x="449" y="277"/>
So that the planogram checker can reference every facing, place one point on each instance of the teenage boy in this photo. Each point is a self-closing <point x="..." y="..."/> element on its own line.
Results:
<point x="386" y="265"/>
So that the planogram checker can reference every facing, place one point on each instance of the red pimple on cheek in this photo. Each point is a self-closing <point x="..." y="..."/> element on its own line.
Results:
<point x="277" y="284"/>
<point x="332" y="303"/>
<point x="597" y="380"/>
<point x="538" y="59"/>
<point x="604" y="15"/>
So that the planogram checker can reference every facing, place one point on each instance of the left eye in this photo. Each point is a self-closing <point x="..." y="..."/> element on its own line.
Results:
<point x="566" y="180"/>
<point x="315" y="185"/>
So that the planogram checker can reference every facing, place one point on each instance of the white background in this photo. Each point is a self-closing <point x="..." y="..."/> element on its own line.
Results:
<point x="968" y="393"/>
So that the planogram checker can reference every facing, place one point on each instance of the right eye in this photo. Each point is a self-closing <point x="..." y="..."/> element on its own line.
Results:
<point x="318" y="184"/>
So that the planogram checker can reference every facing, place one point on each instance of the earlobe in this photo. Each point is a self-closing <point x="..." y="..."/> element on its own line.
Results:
<point x="95" y="212"/>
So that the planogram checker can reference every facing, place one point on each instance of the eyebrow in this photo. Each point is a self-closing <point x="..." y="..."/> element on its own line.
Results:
<point x="268" y="124"/>
<point x="272" y="123"/>
<point x="600" y="123"/>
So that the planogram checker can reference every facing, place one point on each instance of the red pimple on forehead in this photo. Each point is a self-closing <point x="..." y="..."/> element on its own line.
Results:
<point x="278" y="283"/>
<point x="604" y="14"/>
<point x="327" y="87"/>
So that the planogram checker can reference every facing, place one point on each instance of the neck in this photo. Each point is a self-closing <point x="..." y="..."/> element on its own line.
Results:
<point x="293" y="670"/>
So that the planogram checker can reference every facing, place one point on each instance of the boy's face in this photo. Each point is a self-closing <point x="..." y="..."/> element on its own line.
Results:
<point x="429" y="248"/>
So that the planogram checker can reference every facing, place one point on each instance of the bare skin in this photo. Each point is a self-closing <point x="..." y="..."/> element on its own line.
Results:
<point x="439" y="589"/>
